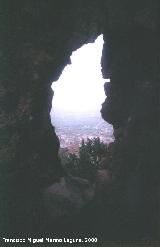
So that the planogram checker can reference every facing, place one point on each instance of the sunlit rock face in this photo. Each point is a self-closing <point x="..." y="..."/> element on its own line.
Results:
<point x="39" y="38"/>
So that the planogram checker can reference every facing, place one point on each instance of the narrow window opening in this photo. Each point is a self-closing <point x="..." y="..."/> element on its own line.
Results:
<point x="78" y="96"/>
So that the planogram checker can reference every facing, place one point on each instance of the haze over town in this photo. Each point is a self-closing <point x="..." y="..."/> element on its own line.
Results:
<point x="78" y="96"/>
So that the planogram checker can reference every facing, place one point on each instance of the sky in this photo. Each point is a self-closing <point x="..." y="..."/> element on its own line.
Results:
<point x="80" y="88"/>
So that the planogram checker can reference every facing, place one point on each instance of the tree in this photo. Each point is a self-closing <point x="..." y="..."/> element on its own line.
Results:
<point x="86" y="163"/>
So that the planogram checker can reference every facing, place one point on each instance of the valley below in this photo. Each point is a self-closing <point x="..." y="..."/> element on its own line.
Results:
<point x="72" y="128"/>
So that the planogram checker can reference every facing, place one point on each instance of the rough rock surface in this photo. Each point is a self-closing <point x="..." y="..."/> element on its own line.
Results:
<point x="67" y="197"/>
<point x="37" y="40"/>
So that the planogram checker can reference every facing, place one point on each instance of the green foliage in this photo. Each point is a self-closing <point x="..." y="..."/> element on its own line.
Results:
<point x="86" y="163"/>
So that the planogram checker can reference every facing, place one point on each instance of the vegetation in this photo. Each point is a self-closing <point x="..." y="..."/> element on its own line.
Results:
<point x="86" y="163"/>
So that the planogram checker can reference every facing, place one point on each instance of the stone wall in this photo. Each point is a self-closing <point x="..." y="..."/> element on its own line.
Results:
<point x="130" y="58"/>
<point x="38" y="38"/>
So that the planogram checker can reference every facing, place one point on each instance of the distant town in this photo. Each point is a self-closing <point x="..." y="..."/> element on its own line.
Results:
<point x="71" y="129"/>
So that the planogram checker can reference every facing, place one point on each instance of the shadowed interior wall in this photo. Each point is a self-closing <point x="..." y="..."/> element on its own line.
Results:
<point x="38" y="39"/>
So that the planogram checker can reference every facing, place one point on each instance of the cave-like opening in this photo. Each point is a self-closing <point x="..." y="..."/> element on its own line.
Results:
<point x="78" y="96"/>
